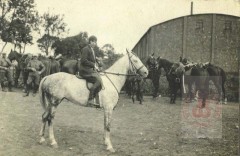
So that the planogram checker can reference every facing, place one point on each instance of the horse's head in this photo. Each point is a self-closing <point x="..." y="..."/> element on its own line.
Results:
<point x="13" y="55"/>
<point x="177" y="69"/>
<point x="164" y="63"/>
<point x="152" y="63"/>
<point x="136" y="65"/>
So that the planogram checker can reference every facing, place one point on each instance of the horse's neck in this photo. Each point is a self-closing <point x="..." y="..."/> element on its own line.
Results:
<point x="19" y="57"/>
<point x="167" y="66"/>
<point x="121" y="67"/>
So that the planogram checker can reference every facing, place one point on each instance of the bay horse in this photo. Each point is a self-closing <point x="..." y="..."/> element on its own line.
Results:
<point x="56" y="87"/>
<point x="154" y="73"/>
<point x="216" y="74"/>
<point x="51" y="65"/>
<point x="174" y="76"/>
<point x="200" y="76"/>
<point x="218" y="77"/>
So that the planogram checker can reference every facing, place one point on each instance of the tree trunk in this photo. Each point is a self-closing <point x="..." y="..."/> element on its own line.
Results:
<point x="24" y="47"/>
<point x="4" y="47"/>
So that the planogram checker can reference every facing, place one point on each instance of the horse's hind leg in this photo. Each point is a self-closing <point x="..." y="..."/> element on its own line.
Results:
<point x="44" y="120"/>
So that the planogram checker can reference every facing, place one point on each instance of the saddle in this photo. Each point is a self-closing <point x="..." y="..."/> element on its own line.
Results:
<point x="88" y="84"/>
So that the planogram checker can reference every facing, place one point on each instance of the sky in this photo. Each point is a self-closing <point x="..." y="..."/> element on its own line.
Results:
<point x="123" y="22"/>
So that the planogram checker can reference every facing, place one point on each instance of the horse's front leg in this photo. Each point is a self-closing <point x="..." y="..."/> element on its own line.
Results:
<point x="107" y="125"/>
<point x="50" y="124"/>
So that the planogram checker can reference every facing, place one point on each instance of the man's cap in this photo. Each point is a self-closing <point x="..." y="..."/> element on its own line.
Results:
<point x="92" y="38"/>
<point x="34" y="55"/>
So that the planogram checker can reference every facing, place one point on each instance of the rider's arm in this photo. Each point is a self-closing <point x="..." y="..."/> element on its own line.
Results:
<point x="84" y="59"/>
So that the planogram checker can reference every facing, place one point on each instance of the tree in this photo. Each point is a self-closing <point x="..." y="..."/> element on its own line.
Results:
<point x="71" y="46"/>
<point x="53" y="28"/>
<point x="18" y="19"/>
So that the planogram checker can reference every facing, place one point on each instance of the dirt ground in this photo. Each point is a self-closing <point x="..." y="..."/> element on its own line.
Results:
<point x="151" y="129"/>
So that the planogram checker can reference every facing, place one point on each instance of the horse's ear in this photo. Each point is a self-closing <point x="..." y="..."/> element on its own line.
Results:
<point x="180" y="59"/>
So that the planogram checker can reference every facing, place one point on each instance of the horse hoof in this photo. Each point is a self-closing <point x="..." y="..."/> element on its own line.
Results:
<point x="54" y="146"/>
<point x="42" y="140"/>
<point x="111" y="150"/>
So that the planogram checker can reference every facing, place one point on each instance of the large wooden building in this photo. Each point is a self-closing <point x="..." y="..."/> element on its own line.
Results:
<point x="200" y="38"/>
<point x="211" y="38"/>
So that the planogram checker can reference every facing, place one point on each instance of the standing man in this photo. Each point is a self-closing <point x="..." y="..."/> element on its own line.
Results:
<point x="88" y="70"/>
<point x="5" y="72"/>
<point x="36" y="68"/>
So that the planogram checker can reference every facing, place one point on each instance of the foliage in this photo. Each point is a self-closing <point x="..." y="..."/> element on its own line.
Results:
<point x="71" y="47"/>
<point x="18" y="19"/>
<point x="52" y="28"/>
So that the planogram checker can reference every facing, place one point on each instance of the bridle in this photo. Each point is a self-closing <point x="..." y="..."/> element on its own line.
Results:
<point x="134" y="71"/>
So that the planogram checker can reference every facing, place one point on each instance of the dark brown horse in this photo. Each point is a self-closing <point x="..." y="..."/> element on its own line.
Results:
<point x="154" y="73"/>
<point x="174" y="74"/>
<point x="216" y="74"/>
<point x="52" y="66"/>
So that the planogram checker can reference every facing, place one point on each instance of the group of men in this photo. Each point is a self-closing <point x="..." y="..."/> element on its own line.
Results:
<point x="88" y="70"/>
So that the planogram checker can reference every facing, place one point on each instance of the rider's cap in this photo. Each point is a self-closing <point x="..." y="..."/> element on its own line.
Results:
<point x="92" y="38"/>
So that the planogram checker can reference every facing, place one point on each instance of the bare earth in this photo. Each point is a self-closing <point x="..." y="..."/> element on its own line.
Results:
<point x="153" y="128"/>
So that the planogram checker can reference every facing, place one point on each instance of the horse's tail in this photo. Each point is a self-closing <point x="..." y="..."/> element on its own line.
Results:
<point x="42" y="94"/>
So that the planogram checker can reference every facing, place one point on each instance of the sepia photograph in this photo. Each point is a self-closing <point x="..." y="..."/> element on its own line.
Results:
<point x="119" y="77"/>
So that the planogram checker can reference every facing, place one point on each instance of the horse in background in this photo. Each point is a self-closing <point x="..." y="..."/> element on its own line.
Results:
<point x="154" y="73"/>
<point x="134" y="87"/>
<point x="22" y="61"/>
<point x="216" y="74"/>
<point x="51" y="65"/>
<point x="174" y="74"/>
<point x="200" y="77"/>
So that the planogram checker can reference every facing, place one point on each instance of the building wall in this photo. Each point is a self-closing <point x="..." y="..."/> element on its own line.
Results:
<point x="211" y="43"/>
<point x="201" y="38"/>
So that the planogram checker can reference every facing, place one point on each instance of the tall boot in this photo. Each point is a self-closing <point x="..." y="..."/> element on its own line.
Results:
<point x="27" y="90"/>
<point x="91" y="102"/>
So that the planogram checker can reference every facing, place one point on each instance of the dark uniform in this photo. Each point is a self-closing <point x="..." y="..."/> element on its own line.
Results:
<point x="88" y="70"/>
<point x="35" y="68"/>
<point x="5" y="73"/>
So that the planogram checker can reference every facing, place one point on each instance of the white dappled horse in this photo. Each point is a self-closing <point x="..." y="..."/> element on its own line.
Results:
<point x="56" y="87"/>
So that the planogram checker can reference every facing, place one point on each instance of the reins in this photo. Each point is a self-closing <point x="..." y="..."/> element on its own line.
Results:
<point x="135" y="70"/>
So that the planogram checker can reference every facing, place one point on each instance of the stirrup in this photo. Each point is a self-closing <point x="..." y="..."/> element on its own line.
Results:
<point x="93" y="104"/>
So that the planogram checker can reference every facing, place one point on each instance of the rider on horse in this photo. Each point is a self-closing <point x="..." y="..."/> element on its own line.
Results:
<point x="89" y="70"/>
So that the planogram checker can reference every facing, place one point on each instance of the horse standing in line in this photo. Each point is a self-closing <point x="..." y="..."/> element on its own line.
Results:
<point x="218" y="77"/>
<point x="56" y="87"/>
<point x="216" y="74"/>
<point x="154" y="73"/>
<point x="52" y="66"/>
<point x="174" y="76"/>
<point x="134" y="87"/>
<point x="200" y="76"/>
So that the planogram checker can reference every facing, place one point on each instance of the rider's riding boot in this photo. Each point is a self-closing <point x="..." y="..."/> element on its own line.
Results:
<point x="91" y="102"/>
<point x="27" y="91"/>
